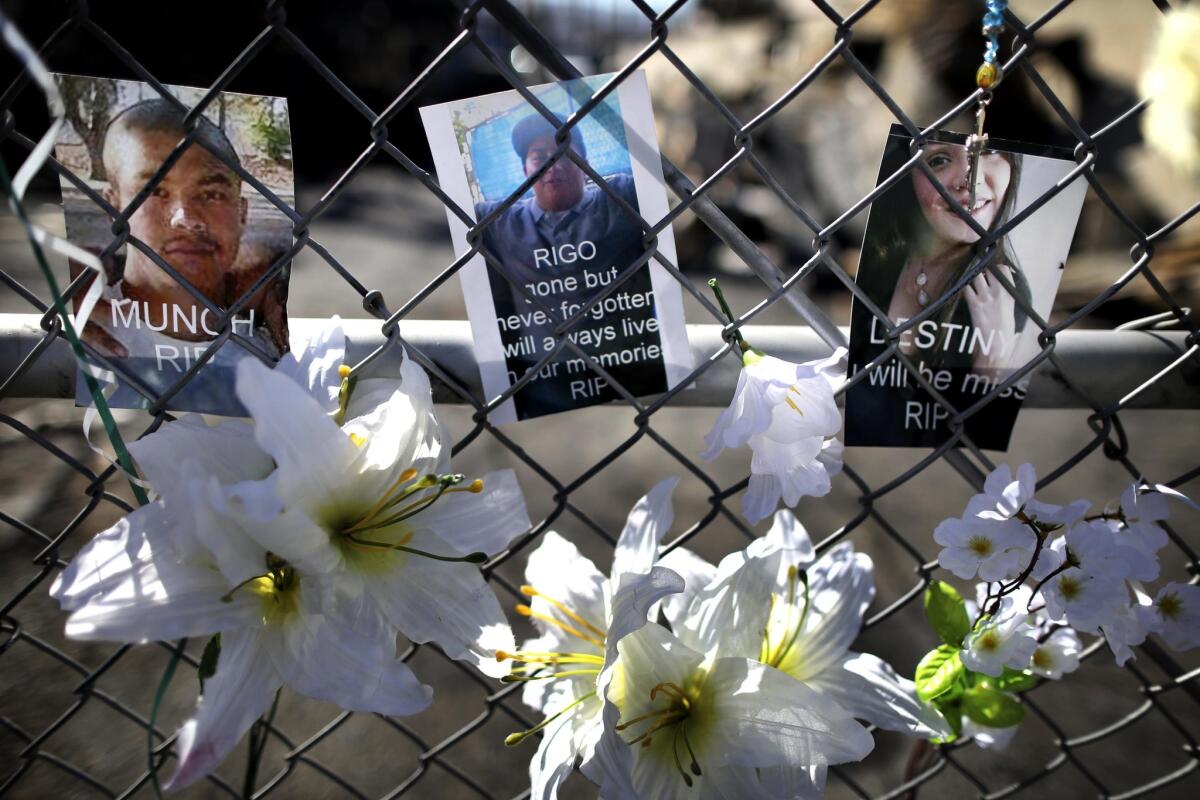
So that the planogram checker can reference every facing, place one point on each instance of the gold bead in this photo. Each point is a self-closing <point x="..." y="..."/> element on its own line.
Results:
<point x="988" y="75"/>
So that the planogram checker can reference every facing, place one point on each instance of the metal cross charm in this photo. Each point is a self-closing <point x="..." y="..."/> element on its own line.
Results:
<point x="976" y="144"/>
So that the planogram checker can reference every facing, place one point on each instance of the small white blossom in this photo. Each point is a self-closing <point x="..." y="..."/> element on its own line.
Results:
<point x="1124" y="628"/>
<point x="786" y="413"/>
<point x="993" y="550"/>
<point x="1058" y="655"/>
<point x="1175" y="615"/>
<point x="1002" y="640"/>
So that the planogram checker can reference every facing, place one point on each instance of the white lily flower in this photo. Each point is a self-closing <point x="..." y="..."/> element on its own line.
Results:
<point x="367" y="504"/>
<point x="1175" y="615"/>
<point x="1057" y="655"/>
<point x="696" y="726"/>
<point x="773" y="604"/>
<point x="277" y="625"/>
<point x="787" y="414"/>
<point x="572" y="603"/>
<point x="993" y="550"/>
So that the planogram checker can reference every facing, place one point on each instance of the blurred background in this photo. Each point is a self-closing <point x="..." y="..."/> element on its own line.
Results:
<point x="390" y="231"/>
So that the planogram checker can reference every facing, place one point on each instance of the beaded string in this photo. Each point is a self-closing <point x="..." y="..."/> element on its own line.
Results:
<point x="986" y="77"/>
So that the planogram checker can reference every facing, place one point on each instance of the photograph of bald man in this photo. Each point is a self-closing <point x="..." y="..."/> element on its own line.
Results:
<point x="196" y="220"/>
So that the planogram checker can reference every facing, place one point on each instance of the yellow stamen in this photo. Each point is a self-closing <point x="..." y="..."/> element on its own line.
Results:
<point x="404" y="478"/>
<point x="549" y="658"/>
<point x="358" y="440"/>
<point x="532" y="592"/>
<point x="1170" y="606"/>
<point x="792" y="403"/>
<point x="980" y="545"/>
<point x="526" y="611"/>
<point x="344" y="371"/>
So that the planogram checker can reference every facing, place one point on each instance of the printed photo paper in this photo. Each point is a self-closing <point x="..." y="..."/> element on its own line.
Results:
<point x="202" y="219"/>
<point x="916" y="249"/>
<point x="565" y="242"/>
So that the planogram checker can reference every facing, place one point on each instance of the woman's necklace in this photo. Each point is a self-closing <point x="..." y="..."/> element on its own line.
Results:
<point x="922" y="280"/>
<point x="986" y="78"/>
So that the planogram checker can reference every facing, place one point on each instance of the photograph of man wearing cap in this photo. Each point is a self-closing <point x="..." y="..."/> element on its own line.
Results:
<point x="195" y="220"/>
<point x="568" y="224"/>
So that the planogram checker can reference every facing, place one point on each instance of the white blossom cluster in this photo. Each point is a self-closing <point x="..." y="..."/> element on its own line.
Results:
<point x="1053" y="572"/>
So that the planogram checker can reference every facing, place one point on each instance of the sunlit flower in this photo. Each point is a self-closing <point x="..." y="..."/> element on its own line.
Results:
<point x="571" y="603"/>
<point x="1004" y="639"/>
<point x="1175" y="615"/>
<point x="230" y="548"/>
<point x="1141" y="537"/>
<point x="771" y="603"/>
<point x="277" y="625"/>
<point x="363" y="496"/>
<point x="993" y="550"/>
<point x="704" y="726"/>
<point x="1172" y="81"/>
<point x="1057" y="655"/>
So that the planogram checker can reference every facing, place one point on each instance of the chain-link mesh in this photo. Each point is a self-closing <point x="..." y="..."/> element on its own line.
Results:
<point x="73" y="717"/>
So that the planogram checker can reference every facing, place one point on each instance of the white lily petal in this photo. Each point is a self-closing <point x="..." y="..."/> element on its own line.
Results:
<point x="446" y="603"/>
<point x="159" y="601"/>
<point x="110" y="556"/>
<point x="696" y="573"/>
<point x="761" y="498"/>
<point x="554" y="760"/>
<point x="767" y="718"/>
<point x="297" y="539"/>
<point x="227" y="451"/>
<point x="869" y="689"/>
<point x="789" y="534"/>
<point x="221" y="531"/>
<point x="347" y="656"/>
<point x="484" y="522"/>
<point x="841" y="586"/>
<point x="611" y="765"/>
<point x="314" y="456"/>
<point x="559" y="571"/>
<point x="397" y="429"/>
<point x="730" y="612"/>
<point x="650" y="518"/>
<point x="237" y="695"/>
<point x="314" y="360"/>
<point x="632" y="601"/>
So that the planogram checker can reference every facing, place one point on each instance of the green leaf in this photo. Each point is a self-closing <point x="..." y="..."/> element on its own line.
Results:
<point x="938" y="672"/>
<point x="1014" y="680"/>
<point x="208" y="660"/>
<point x="947" y="613"/>
<point x="952" y="713"/>
<point x="992" y="708"/>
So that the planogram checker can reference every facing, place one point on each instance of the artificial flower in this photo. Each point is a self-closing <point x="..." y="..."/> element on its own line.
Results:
<point x="1057" y="655"/>
<point x="215" y="552"/>
<point x="786" y="413"/>
<point x="1172" y="80"/>
<point x="695" y="726"/>
<point x="773" y="604"/>
<point x="1002" y="639"/>
<point x="571" y="604"/>
<point x="1175" y="615"/>
<point x="369" y="503"/>
<point x="993" y="550"/>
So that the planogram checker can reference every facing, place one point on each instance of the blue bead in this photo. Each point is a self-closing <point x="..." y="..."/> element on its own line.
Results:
<point x="992" y="51"/>
<point x="993" y="18"/>
<point x="997" y="6"/>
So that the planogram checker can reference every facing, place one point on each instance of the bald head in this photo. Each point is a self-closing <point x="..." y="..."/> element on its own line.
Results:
<point x="162" y="117"/>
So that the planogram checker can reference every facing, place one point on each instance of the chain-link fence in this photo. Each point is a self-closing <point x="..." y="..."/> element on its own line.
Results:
<point x="74" y="717"/>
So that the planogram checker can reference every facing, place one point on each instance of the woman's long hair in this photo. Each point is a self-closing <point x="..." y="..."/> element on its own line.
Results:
<point x="898" y="228"/>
